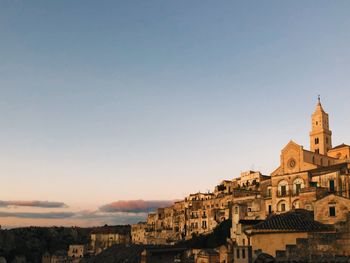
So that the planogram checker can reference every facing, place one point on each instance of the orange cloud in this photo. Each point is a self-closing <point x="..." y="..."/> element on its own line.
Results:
<point x="135" y="206"/>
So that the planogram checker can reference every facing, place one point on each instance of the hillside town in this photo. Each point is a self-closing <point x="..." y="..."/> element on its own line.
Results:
<point x="301" y="207"/>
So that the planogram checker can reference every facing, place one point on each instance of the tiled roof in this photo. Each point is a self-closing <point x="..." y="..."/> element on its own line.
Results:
<point x="298" y="220"/>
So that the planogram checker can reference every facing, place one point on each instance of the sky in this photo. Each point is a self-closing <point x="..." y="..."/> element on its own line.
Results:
<point x="111" y="108"/>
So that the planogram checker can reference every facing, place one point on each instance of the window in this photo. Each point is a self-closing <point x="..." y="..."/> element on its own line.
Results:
<point x="283" y="207"/>
<point x="270" y="209"/>
<point x="317" y="140"/>
<point x="317" y="151"/>
<point x="283" y="190"/>
<point x="243" y="253"/>
<point x="237" y="252"/>
<point x="236" y="210"/>
<point x="331" y="185"/>
<point x="268" y="192"/>
<point x="332" y="211"/>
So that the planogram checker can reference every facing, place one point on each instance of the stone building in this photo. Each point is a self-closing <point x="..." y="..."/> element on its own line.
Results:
<point x="138" y="232"/>
<point x="280" y="230"/>
<point x="107" y="236"/>
<point x="76" y="251"/>
<point x="208" y="256"/>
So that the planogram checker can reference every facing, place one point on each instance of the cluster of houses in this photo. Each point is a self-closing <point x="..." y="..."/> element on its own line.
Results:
<point x="301" y="207"/>
<point x="101" y="238"/>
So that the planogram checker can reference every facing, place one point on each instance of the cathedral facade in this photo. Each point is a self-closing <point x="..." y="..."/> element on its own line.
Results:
<point x="304" y="176"/>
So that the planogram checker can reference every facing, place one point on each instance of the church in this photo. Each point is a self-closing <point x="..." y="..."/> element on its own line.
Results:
<point x="304" y="176"/>
<point x="306" y="197"/>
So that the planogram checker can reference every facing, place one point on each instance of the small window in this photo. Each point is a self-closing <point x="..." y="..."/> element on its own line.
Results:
<point x="270" y="209"/>
<point x="283" y="207"/>
<point x="268" y="192"/>
<point x="317" y="151"/>
<point x="331" y="186"/>
<point x="283" y="190"/>
<point x="243" y="253"/>
<point x="317" y="140"/>
<point x="332" y="211"/>
<point x="237" y="252"/>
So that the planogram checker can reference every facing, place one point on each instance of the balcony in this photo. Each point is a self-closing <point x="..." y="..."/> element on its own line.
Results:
<point x="283" y="193"/>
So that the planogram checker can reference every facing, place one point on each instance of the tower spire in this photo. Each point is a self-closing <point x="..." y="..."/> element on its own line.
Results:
<point x="320" y="135"/>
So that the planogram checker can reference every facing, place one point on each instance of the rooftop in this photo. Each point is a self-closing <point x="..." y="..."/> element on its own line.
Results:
<point x="298" y="220"/>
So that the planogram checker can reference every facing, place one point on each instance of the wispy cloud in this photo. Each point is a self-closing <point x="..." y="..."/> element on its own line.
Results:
<point x="41" y="204"/>
<point x="135" y="206"/>
<point x="51" y="215"/>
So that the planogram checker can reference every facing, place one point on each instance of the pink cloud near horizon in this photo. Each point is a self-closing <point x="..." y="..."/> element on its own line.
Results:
<point x="136" y="206"/>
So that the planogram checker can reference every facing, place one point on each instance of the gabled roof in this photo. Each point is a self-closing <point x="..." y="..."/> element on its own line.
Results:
<point x="332" y="195"/>
<point x="298" y="220"/>
<point x="340" y="146"/>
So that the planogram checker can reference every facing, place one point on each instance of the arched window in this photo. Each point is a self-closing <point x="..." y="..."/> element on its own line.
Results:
<point x="283" y="188"/>
<point x="282" y="206"/>
<point x="317" y="140"/>
<point x="298" y="184"/>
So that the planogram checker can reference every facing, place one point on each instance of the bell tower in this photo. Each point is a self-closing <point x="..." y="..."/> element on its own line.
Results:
<point x="320" y="135"/>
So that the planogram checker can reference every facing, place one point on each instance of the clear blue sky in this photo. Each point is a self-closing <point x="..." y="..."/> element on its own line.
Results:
<point x="120" y="100"/>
